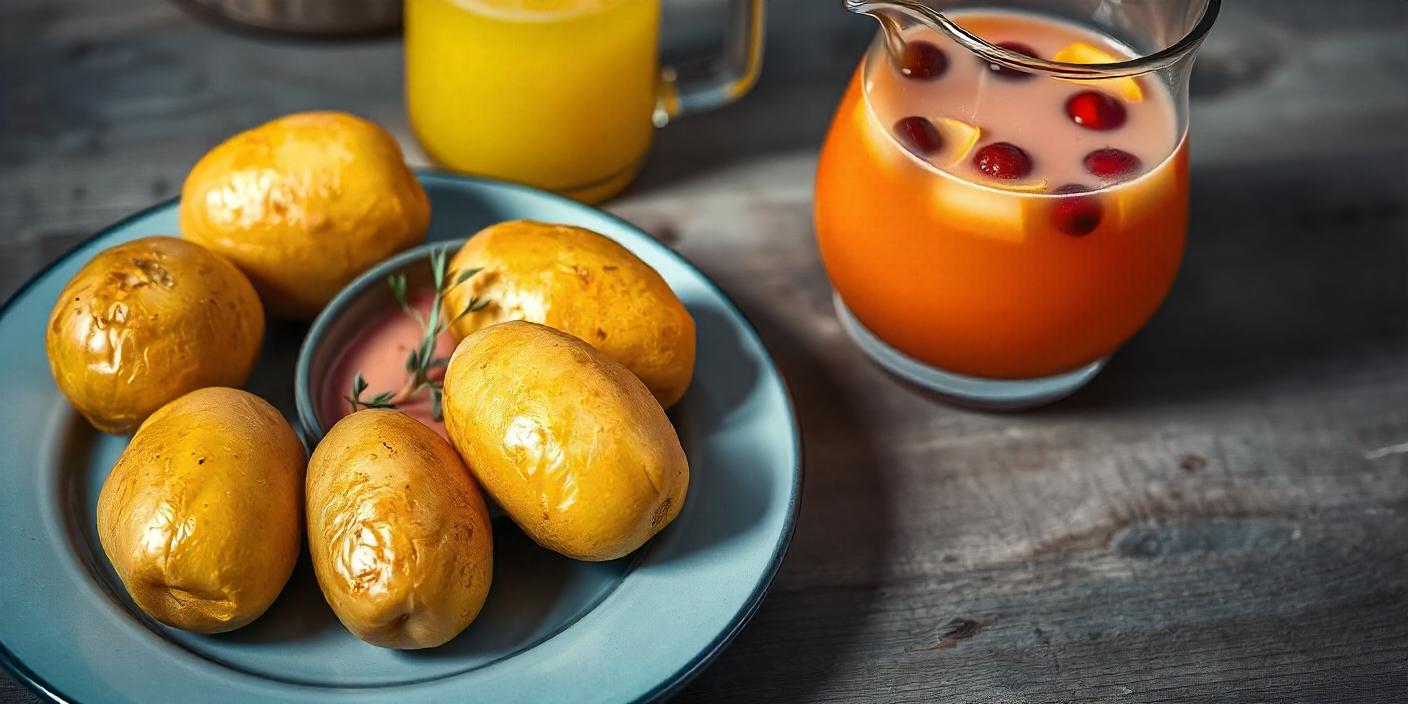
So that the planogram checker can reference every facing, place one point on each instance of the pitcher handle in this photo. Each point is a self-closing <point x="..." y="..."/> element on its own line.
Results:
<point x="696" y="87"/>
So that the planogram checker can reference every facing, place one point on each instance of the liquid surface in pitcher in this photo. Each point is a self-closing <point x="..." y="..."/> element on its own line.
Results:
<point x="554" y="93"/>
<point x="996" y="223"/>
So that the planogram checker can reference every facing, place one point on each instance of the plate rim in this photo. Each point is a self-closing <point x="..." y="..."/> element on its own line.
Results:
<point x="686" y="672"/>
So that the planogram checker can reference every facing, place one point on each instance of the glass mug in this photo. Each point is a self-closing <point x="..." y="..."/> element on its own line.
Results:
<point x="1002" y="199"/>
<point x="559" y="94"/>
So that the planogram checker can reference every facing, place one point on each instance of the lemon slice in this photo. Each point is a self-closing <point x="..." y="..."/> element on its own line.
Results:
<point x="980" y="211"/>
<point x="961" y="135"/>
<point x="1036" y="187"/>
<point x="1083" y="53"/>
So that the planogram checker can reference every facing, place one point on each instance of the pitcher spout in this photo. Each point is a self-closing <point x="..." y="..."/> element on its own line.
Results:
<point x="913" y="8"/>
<point x="895" y="16"/>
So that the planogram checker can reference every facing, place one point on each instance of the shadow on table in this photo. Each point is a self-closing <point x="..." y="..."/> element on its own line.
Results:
<point x="1293" y="272"/>
<point x="842" y="539"/>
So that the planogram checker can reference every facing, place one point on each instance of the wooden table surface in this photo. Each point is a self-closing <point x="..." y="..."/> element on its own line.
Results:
<point x="1221" y="516"/>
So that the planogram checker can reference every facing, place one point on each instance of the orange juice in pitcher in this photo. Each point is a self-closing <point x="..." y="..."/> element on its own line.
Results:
<point x="559" y="94"/>
<point x="1002" y="200"/>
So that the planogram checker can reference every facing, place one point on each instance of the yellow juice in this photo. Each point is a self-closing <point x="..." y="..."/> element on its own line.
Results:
<point x="557" y="94"/>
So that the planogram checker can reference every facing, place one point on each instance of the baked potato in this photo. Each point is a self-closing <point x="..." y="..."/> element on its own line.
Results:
<point x="581" y="283"/>
<point x="398" y="531"/>
<point x="303" y="204"/>
<point x="569" y="443"/>
<point x="200" y="516"/>
<point x="146" y="322"/>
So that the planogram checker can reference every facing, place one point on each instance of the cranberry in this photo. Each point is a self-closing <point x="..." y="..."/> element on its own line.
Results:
<point x="1110" y="163"/>
<point x="1094" y="110"/>
<point x="919" y="135"/>
<point x="1007" y="72"/>
<point x="1003" y="160"/>
<point x="923" y="61"/>
<point x="1076" y="215"/>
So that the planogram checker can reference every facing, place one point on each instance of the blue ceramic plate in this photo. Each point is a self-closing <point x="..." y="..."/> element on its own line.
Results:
<point x="553" y="630"/>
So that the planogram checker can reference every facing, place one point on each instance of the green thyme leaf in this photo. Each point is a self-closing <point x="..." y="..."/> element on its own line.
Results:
<point x="437" y="266"/>
<point x="397" y="282"/>
<point x="466" y="275"/>
<point x="359" y="386"/>
<point x="475" y="305"/>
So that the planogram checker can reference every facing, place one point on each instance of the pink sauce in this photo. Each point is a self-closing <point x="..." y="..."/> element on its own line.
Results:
<point x="379" y="352"/>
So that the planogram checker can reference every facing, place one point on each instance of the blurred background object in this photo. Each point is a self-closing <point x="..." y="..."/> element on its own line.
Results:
<point x="312" y="18"/>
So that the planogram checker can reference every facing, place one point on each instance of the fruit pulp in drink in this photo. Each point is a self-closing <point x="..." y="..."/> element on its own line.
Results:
<point x="997" y="223"/>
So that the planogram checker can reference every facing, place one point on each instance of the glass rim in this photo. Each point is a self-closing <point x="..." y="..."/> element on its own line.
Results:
<point x="1163" y="58"/>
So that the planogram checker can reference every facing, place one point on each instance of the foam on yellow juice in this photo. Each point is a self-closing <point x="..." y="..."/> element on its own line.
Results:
<point x="554" y="93"/>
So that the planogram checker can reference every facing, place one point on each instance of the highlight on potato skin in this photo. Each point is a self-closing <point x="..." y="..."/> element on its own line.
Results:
<point x="398" y="531"/>
<point x="303" y="204"/>
<point x="201" y="516"/>
<point x="147" y="321"/>
<point x="582" y="283"/>
<point x="569" y="443"/>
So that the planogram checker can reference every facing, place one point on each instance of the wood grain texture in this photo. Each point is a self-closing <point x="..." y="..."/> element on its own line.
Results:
<point x="1222" y="516"/>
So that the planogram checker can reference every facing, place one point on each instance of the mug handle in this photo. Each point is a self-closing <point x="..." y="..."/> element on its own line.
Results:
<point x="696" y="87"/>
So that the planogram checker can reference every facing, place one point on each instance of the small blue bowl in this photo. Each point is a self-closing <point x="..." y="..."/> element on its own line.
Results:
<point x="365" y="299"/>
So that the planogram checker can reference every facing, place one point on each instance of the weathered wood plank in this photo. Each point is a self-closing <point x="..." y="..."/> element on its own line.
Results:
<point x="1221" y="516"/>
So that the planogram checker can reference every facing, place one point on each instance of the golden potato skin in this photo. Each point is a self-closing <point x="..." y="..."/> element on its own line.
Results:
<point x="569" y="443"/>
<point x="303" y="204"/>
<point x="201" y="515"/>
<point x="146" y="322"/>
<point x="398" y="531"/>
<point x="584" y="284"/>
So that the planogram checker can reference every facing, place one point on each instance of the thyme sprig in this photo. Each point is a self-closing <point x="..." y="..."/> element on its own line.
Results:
<point x="422" y="364"/>
<point x="359" y="387"/>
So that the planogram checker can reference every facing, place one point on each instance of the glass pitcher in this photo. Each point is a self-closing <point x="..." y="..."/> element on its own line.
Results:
<point x="1002" y="199"/>
<point x="559" y="94"/>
